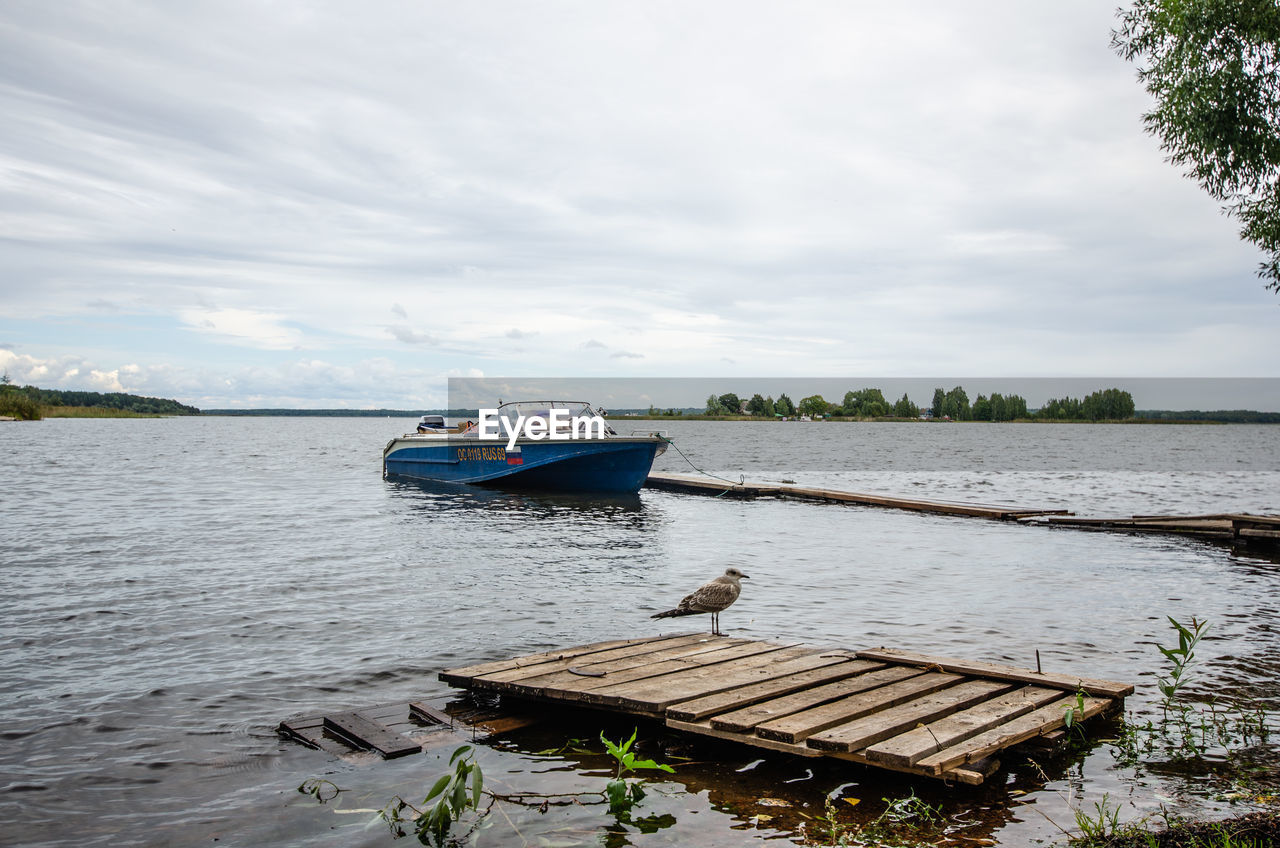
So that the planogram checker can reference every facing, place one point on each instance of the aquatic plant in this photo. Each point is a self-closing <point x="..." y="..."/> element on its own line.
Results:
<point x="453" y="800"/>
<point x="458" y="793"/>
<point x="907" y="822"/>
<point x="621" y="793"/>
<point x="1189" y="730"/>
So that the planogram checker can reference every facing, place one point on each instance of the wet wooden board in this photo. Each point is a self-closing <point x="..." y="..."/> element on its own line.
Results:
<point x="998" y="671"/>
<point x="1221" y="526"/>
<point x="802" y="725"/>
<point x="908" y="718"/>
<point x="775" y="709"/>
<point x="369" y="733"/>
<point x="901" y="710"/>
<point x="699" y="484"/>
<point x="827" y="668"/>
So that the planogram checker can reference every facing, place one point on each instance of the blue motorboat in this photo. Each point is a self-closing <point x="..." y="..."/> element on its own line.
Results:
<point x="544" y="445"/>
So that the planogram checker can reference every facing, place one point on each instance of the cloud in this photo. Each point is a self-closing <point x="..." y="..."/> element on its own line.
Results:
<point x="403" y="333"/>
<point x="626" y="354"/>
<point x="398" y="310"/>
<point x="593" y="343"/>
<point x="243" y="327"/>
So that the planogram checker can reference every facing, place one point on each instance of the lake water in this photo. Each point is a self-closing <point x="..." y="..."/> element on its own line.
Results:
<point x="176" y="587"/>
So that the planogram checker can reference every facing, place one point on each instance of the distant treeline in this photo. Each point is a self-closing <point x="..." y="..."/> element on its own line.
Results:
<point x="118" y="401"/>
<point x="1104" y="405"/>
<point x="1224" y="416"/>
<point x="346" y="413"/>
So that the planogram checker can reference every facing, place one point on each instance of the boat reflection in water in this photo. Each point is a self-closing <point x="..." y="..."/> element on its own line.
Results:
<point x="562" y="446"/>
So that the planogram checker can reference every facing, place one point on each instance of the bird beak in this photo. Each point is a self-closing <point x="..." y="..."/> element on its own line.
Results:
<point x="748" y="576"/>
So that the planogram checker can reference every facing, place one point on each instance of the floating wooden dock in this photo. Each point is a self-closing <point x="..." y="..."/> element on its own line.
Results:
<point x="898" y="710"/>
<point x="698" y="484"/>
<point x="1228" y="527"/>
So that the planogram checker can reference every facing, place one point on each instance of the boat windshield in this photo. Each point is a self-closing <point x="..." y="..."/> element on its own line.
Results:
<point x="513" y="411"/>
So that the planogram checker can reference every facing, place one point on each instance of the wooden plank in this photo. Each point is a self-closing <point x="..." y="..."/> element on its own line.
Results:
<point x="568" y="681"/>
<point x="745" y="719"/>
<point x="656" y="694"/>
<point x="429" y="714"/>
<point x="904" y="503"/>
<point x="975" y="774"/>
<point x="908" y="748"/>
<point x="997" y="671"/>
<point x="704" y="727"/>
<point x="1025" y="727"/>
<point x="824" y="668"/>
<point x="367" y="733"/>
<point x="802" y="725"/>
<point x="462" y="674"/>
<point x="1258" y="533"/>
<point x="587" y="669"/>
<point x="876" y="727"/>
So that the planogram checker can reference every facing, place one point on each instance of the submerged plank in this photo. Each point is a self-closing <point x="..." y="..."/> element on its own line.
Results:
<point x="874" y="728"/>
<point x="802" y="725"/>
<point x="998" y="671"/>
<point x="367" y="733"/>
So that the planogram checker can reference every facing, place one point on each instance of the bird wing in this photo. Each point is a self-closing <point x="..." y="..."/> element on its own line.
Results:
<point x="712" y="597"/>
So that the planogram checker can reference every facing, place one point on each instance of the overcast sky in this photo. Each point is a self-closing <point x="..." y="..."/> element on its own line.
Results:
<point x="341" y="205"/>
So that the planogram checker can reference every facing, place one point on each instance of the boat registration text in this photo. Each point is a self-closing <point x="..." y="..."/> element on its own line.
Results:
<point x="482" y="454"/>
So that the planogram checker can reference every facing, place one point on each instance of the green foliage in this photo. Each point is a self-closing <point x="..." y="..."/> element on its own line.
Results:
<point x="905" y="408"/>
<point x="784" y="406"/>
<point x="621" y="793"/>
<point x="908" y="822"/>
<point x="732" y="403"/>
<point x="714" y="407"/>
<point x="15" y="402"/>
<point x="953" y="404"/>
<point x="1181" y="657"/>
<point x="813" y="405"/>
<point x="114" y="400"/>
<point x="1189" y="731"/>
<point x="455" y="794"/>
<point x="322" y="790"/>
<point x="760" y="405"/>
<point x="867" y="403"/>
<point x="999" y="408"/>
<point x="1101" y="825"/>
<point x="1106" y="405"/>
<point x="1213" y="68"/>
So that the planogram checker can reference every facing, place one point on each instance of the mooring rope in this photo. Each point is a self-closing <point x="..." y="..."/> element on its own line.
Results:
<point x="742" y="481"/>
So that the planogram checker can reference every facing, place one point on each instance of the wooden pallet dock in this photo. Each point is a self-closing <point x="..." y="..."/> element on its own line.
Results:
<point x="698" y="484"/>
<point x="898" y="710"/>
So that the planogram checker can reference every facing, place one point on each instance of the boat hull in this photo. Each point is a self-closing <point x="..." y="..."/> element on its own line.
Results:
<point x="617" y="464"/>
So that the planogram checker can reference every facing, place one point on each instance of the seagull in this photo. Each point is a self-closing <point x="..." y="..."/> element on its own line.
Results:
<point x="711" y="597"/>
